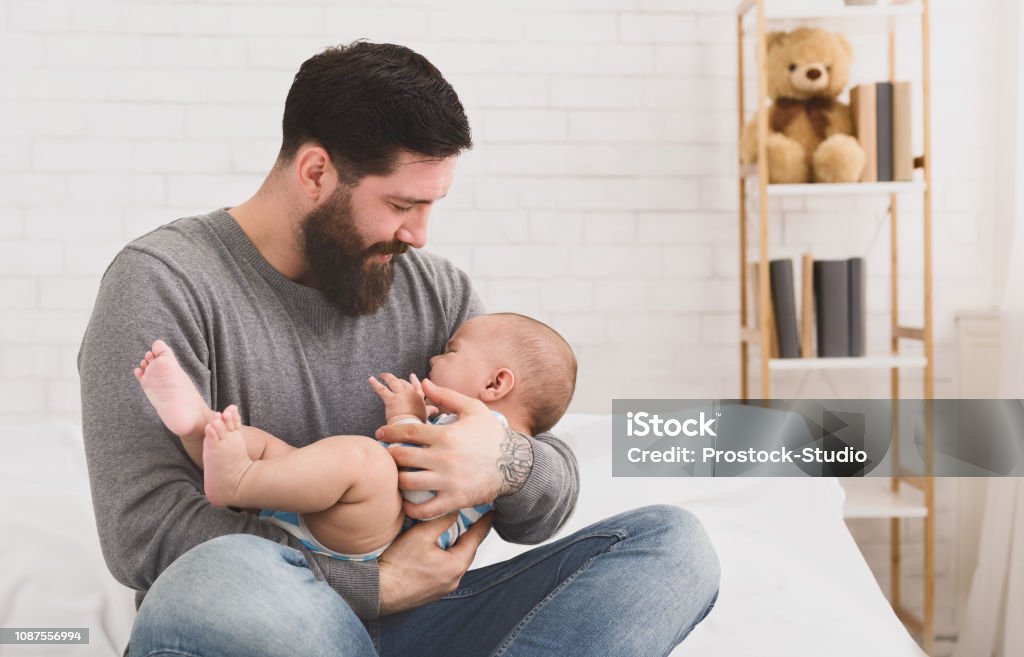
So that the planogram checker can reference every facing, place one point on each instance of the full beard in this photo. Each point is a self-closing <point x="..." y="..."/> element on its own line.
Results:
<point x="340" y="263"/>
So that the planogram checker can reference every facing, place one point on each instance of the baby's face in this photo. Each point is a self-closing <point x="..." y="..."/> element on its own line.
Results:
<point x="467" y="363"/>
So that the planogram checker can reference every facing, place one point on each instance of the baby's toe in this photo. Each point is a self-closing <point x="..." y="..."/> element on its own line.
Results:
<point x="231" y="418"/>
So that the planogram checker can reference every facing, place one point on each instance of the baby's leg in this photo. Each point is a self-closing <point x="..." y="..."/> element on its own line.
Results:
<point x="370" y="516"/>
<point x="353" y="478"/>
<point x="259" y="445"/>
<point x="184" y="411"/>
<point x="304" y="480"/>
<point x="177" y="402"/>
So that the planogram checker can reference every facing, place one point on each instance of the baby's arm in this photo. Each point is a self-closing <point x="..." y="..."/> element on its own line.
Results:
<point x="403" y="400"/>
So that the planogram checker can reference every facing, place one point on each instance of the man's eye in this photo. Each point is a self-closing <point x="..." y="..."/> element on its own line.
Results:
<point x="400" y="208"/>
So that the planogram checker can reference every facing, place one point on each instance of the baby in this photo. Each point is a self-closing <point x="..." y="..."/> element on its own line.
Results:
<point x="339" y="495"/>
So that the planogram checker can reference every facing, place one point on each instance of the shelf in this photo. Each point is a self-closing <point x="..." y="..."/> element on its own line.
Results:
<point x="847" y="189"/>
<point x="882" y="17"/>
<point x="872" y="497"/>
<point x="852" y="363"/>
<point x="836" y="189"/>
<point x="773" y="11"/>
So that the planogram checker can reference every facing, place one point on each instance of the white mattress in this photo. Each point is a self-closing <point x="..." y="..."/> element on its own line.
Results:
<point x="793" y="581"/>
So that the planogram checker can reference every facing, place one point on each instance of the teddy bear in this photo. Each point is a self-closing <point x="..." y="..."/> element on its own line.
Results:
<point x="810" y="133"/>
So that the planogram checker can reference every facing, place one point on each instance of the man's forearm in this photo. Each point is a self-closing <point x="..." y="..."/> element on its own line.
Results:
<point x="545" y="498"/>
<point x="515" y="463"/>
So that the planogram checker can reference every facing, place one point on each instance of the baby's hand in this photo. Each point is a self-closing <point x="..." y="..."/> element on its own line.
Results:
<point x="415" y="381"/>
<point x="402" y="399"/>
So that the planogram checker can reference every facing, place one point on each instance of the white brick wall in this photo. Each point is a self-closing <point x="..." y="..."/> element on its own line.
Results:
<point x="601" y="195"/>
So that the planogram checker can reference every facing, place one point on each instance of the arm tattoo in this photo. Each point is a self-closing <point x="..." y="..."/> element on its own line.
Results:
<point x="515" y="463"/>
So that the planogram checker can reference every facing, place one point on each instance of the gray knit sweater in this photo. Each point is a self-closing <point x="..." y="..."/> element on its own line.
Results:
<point x="248" y="335"/>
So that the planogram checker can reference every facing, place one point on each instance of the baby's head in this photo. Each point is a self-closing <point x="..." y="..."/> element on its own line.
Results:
<point x="516" y="365"/>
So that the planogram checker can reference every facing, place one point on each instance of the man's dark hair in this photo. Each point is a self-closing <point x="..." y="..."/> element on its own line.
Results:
<point x="365" y="102"/>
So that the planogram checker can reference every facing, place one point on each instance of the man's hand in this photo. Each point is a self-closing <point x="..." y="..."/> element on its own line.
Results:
<point x="470" y="462"/>
<point x="402" y="399"/>
<point x="415" y="571"/>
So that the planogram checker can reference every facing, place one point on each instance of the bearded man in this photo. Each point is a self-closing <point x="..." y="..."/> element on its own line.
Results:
<point x="284" y="305"/>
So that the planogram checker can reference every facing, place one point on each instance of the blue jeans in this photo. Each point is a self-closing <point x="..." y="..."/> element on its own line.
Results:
<point x="634" y="584"/>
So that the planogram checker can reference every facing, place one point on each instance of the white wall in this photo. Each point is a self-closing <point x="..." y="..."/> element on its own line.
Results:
<point x="600" y="196"/>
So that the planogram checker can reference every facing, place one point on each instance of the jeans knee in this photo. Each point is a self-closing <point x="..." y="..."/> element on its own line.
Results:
<point x="229" y="550"/>
<point x="685" y="547"/>
<point x="248" y="593"/>
<point x="228" y="545"/>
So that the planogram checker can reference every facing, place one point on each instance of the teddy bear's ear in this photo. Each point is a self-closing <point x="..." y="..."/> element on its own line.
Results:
<point x="844" y="44"/>
<point x="775" y="39"/>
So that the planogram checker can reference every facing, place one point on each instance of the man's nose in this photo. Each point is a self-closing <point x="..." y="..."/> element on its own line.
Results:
<point x="413" y="230"/>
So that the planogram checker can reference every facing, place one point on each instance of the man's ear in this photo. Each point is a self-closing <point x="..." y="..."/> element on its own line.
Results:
<point x="315" y="171"/>
<point x="501" y="383"/>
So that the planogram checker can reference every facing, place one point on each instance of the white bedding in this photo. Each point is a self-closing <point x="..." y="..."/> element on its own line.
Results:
<point x="53" y="573"/>
<point x="793" y="581"/>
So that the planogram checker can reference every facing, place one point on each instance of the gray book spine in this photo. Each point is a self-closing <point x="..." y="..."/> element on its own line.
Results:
<point x="831" y="307"/>
<point x="857" y="315"/>
<point x="781" y="277"/>
<point x="883" y="122"/>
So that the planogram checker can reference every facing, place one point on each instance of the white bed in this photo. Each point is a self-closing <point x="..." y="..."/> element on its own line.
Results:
<point x="793" y="580"/>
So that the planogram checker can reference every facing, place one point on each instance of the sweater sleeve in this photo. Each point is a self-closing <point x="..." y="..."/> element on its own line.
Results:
<point x="147" y="494"/>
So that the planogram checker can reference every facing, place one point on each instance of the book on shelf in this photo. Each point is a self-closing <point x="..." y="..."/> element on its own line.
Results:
<point x="883" y="131"/>
<point x="857" y="281"/>
<point x="882" y="124"/>
<point x="784" y="306"/>
<point x="755" y="303"/>
<point x="831" y="307"/>
<point x="839" y="290"/>
<point x="902" y="133"/>
<point x="807" y="306"/>
<point x="862" y="106"/>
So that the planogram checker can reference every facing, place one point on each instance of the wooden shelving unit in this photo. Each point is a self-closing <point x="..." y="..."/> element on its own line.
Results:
<point x="837" y="189"/>
<point x="860" y="363"/>
<point x="871" y="497"/>
<point x="909" y="494"/>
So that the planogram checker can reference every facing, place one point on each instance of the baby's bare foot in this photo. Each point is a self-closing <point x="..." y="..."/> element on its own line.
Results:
<point x="172" y="393"/>
<point x="225" y="459"/>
